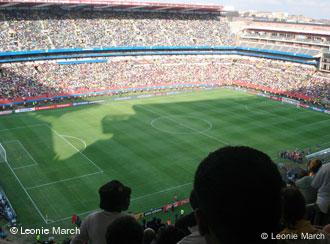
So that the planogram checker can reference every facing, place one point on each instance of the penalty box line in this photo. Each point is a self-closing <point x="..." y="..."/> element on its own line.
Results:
<point x="19" y="181"/>
<point x="64" y="180"/>
<point x="69" y="143"/>
<point x="59" y="135"/>
<point x="21" y="184"/>
<point x="27" y="193"/>
<point x="27" y="152"/>
<point x="25" y="189"/>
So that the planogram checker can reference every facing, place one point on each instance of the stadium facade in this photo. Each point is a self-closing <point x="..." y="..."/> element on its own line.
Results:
<point x="54" y="54"/>
<point x="64" y="32"/>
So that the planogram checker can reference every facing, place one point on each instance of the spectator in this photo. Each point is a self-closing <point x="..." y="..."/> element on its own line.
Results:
<point x="295" y="173"/>
<point x="114" y="198"/>
<point x="169" y="235"/>
<point x="3" y="234"/>
<point x="21" y="80"/>
<point x="321" y="183"/>
<point x="326" y="229"/>
<point x="124" y="230"/>
<point x="293" y="212"/>
<point x="238" y="190"/>
<point x="56" y="28"/>
<point x="148" y="236"/>
<point x="5" y="242"/>
<point x="186" y="222"/>
<point x="304" y="184"/>
<point x="155" y="224"/>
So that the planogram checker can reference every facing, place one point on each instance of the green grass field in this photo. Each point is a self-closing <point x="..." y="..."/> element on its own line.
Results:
<point x="58" y="159"/>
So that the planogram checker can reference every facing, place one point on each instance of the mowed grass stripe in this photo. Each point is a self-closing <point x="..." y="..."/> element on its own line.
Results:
<point x="132" y="142"/>
<point x="160" y="144"/>
<point x="122" y="142"/>
<point x="266" y="123"/>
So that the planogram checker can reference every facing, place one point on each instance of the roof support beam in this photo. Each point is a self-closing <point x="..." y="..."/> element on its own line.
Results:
<point x="190" y="9"/>
<point x="163" y="8"/>
<point x="8" y="5"/>
<point x="107" y="6"/>
<point x="137" y="7"/>
<point x="75" y="6"/>
<point x="42" y="5"/>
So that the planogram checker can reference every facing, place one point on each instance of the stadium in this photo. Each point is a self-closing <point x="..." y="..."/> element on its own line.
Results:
<point x="97" y="91"/>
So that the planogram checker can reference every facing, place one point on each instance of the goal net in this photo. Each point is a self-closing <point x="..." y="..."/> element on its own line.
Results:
<point x="3" y="154"/>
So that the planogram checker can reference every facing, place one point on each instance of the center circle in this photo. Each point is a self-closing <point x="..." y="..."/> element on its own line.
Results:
<point x="181" y="124"/>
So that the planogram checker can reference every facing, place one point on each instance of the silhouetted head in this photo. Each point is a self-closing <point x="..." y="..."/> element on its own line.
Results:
<point x="237" y="186"/>
<point x="169" y="235"/>
<point x="124" y="230"/>
<point x="114" y="196"/>
<point x="148" y="236"/>
<point x="186" y="222"/>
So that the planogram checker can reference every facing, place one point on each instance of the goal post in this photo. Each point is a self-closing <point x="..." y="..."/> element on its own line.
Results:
<point x="3" y="154"/>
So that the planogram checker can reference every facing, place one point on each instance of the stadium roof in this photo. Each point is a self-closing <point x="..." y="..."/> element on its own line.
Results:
<point x="113" y="5"/>
<point x="288" y="30"/>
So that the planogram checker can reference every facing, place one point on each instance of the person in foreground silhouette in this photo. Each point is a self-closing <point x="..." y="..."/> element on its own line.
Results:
<point x="114" y="198"/>
<point x="238" y="190"/>
<point x="124" y="230"/>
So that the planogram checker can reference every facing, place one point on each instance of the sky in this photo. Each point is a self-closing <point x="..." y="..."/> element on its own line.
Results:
<point x="310" y="8"/>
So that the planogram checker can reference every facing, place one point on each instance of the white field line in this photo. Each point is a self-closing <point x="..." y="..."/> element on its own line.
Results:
<point x="266" y="112"/>
<point x="10" y="141"/>
<point x="5" y="153"/>
<point x="158" y="192"/>
<point x="210" y="126"/>
<point x="25" y="166"/>
<point x="19" y="181"/>
<point x="78" y="139"/>
<point x="167" y="116"/>
<point x="26" y="192"/>
<point x="64" y="139"/>
<point x="101" y="171"/>
<point x="27" y="152"/>
<point x="64" y="180"/>
<point x="24" y="127"/>
<point x="132" y="200"/>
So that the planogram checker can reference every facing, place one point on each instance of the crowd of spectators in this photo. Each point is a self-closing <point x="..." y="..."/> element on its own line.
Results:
<point x="313" y="184"/>
<point x="233" y="185"/>
<point x="49" y="29"/>
<point x="295" y="155"/>
<point x="302" y="178"/>
<point x="255" y="207"/>
<point x="49" y="78"/>
<point x="57" y="28"/>
<point x="294" y="221"/>
<point x="6" y="210"/>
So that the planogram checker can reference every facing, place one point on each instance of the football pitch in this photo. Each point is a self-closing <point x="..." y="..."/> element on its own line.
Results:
<point x="57" y="159"/>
